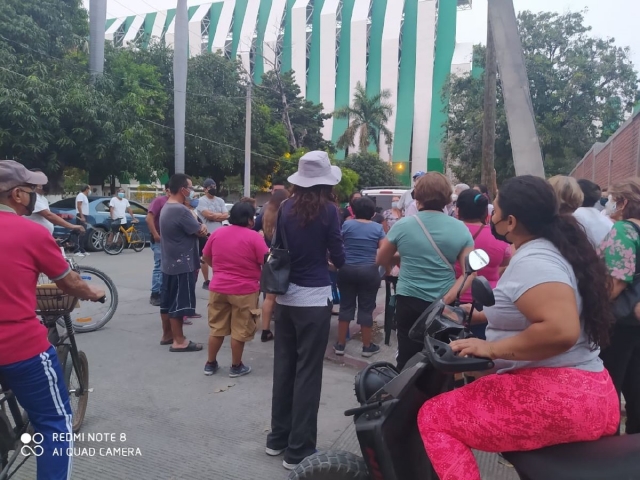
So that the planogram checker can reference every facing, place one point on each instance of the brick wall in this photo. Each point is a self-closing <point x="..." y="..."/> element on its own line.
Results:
<point x="613" y="161"/>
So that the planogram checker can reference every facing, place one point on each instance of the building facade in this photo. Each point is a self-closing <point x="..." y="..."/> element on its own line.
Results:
<point x="405" y="46"/>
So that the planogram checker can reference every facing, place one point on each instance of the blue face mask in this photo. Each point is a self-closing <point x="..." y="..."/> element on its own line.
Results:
<point x="194" y="202"/>
<point x="120" y="194"/>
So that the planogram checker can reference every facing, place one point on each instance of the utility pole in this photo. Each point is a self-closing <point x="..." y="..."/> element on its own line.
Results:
<point x="97" y="22"/>
<point x="489" y="123"/>
<point x="527" y="155"/>
<point x="247" y="143"/>
<point x="180" y="81"/>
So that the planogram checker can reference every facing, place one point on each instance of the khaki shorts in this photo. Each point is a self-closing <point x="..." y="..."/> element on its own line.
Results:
<point x="233" y="315"/>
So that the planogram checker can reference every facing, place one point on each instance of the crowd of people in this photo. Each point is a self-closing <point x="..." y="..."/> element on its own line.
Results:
<point x="563" y="262"/>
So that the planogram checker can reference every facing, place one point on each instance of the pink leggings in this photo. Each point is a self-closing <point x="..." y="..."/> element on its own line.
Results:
<point x="519" y="411"/>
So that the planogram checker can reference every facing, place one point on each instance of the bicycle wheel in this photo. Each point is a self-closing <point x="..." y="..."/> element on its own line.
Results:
<point x="113" y="244"/>
<point x="72" y="381"/>
<point x="90" y="316"/>
<point x="137" y="241"/>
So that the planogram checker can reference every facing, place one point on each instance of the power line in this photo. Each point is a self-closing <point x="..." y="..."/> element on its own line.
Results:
<point x="273" y="159"/>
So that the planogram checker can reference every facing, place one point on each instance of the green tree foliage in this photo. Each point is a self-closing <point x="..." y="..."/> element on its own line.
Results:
<point x="371" y="170"/>
<point x="581" y="89"/>
<point x="367" y="117"/>
<point x="300" y="118"/>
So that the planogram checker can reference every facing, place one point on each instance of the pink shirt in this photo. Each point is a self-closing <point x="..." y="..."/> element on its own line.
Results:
<point x="237" y="254"/>
<point x="497" y="250"/>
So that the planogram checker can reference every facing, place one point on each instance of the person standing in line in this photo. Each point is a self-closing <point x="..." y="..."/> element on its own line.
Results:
<point x="235" y="289"/>
<point x="347" y="212"/>
<point x="82" y="212"/>
<point x="392" y="215"/>
<point x="43" y="216"/>
<point x="406" y="198"/>
<point x="311" y="222"/>
<point x="179" y="232"/>
<point x="596" y="225"/>
<point x="359" y="278"/>
<point x="153" y="223"/>
<point x="212" y="211"/>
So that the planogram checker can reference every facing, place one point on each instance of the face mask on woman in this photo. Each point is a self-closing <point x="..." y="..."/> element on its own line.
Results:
<point x="120" y="194"/>
<point x="610" y="206"/>
<point x="394" y="204"/>
<point x="498" y="236"/>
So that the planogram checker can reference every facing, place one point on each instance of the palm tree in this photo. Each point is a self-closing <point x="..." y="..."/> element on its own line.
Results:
<point x="368" y="117"/>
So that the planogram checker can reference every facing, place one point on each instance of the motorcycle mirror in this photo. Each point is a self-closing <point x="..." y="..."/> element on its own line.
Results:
<point x="476" y="260"/>
<point x="482" y="293"/>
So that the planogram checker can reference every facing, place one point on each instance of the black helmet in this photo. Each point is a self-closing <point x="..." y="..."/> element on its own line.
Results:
<point x="371" y="380"/>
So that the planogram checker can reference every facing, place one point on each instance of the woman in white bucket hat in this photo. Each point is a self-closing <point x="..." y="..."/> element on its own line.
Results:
<point x="310" y="220"/>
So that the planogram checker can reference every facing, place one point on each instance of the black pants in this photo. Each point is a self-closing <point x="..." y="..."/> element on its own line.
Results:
<point x="408" y="309"/>
<point x="300" y="344"/>
<point x="81" y="236"/>
<point x="622" y="360"/>
<point x="359" y="286"/>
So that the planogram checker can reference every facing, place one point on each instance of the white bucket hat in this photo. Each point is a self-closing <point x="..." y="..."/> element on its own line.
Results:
<point x="314" y="168"/>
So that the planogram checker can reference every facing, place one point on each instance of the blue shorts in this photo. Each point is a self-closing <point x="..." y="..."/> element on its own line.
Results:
<point x="178" y="295"/>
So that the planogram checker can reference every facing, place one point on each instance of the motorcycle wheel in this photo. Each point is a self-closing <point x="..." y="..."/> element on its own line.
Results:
<point x="331" y="465"/>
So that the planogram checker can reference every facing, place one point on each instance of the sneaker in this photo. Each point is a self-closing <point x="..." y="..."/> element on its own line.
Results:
<point x="338" y="349"/>
<point x="205" y="285"/>
<point x="370" y="350"/>
<point x="274" y="453"/>
<point x="239" y="370"/>
<point x="86" y="254"/>
<point x="210" y="368"/>
<point x="289" y="466"/>
<point x="154" y="299"/>
<point x="79" y="254"/>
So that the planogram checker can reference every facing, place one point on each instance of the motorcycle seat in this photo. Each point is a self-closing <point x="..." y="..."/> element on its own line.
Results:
<point x="608" y="458"/>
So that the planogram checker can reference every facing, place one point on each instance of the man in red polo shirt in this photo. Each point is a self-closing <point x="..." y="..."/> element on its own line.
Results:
<point x="28" y="363"/>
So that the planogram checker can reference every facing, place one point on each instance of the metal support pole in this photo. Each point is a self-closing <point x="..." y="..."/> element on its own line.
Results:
<point x="97" y="22"/>
<point x="527" y="156"/>
<point x="247" y="144"/>
<point x="489" y="123"/>
<point x="180" y="81"/>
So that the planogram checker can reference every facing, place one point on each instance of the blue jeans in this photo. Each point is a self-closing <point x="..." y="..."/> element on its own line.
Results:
<point x="39" y="387"/>
<point x="156" y="276"/>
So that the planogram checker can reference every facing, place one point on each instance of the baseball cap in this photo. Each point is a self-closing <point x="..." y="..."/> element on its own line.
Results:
<point x="208" y="183"/>
<point x="418" y="174"/>
<point x="14" y="174"/>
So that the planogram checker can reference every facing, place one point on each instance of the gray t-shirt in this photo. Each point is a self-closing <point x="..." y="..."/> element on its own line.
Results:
<point x="178" y="240"/>
<point x="535" y="263"/>
<point x="213" y="205"/>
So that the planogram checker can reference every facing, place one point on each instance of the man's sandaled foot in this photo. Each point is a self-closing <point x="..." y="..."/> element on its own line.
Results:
<point x="192" y="347"/>
<point x="166" y="342"/>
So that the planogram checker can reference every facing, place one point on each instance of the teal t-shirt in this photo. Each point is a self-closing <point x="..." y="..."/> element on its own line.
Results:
<point x="423" y="273"/>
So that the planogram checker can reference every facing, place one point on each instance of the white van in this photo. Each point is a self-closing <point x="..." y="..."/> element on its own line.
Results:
<point x="383" y="196"/>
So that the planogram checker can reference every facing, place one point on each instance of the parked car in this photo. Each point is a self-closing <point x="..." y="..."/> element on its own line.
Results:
<point x="98" y="217"/>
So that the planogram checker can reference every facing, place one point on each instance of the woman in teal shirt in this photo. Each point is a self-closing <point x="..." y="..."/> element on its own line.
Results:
<point x="425" y="275"/>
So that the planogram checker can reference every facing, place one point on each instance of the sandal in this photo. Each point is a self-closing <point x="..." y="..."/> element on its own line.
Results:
<point x="166" y="342"/>
<point x="267" y="336"/>
<point x="192" y="347"/>
<point x="186" y="321"/>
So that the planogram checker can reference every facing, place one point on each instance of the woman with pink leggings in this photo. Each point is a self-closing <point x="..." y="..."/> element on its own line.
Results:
<point x="544" y="334"/>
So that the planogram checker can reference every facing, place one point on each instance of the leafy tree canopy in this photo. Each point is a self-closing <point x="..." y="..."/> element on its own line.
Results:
<point x="371" y="170"/>
<point x="581" y="88"/>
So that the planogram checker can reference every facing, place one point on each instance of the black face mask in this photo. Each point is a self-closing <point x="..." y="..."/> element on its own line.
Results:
<point x="603" y="201"/>
<point x="32" y="202"/>
<point x="498" y="236"/>
<point x="212" y="191"/>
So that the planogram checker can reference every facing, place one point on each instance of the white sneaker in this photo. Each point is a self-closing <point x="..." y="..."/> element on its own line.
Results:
<point x="273" y="453"/>
<point x="81" y="255"/>
<point x="289" y="466"/>
<point x="86" y="254"/>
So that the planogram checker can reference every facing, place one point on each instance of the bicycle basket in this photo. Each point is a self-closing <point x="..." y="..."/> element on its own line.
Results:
<point x="50" y="300"/>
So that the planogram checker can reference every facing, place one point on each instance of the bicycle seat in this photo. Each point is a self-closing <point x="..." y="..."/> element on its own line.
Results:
<point x="608" y="458"/>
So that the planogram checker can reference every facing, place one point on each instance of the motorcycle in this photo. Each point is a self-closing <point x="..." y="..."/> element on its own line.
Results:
<point x="386" y="420"/>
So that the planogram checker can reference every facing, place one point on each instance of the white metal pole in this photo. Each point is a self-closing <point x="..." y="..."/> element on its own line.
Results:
<point x="180" y="81"/>
<point x="97" y="22"/>
<point x="247" y="145"/>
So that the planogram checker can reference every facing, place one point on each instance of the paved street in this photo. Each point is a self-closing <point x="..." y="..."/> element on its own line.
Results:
<point x="186" y="425"/>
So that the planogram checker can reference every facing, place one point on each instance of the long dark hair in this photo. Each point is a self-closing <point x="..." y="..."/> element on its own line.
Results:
<point x="271" y="212"/>
<point x="309" y="202"/>
<point x="533" y="202"/>
<point x="472" y="206"/>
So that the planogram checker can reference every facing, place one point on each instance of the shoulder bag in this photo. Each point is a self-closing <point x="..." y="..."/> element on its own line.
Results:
<point x="624" y="305"/>
<point x="433" y="244"/>
<point x="274" y="278"/>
